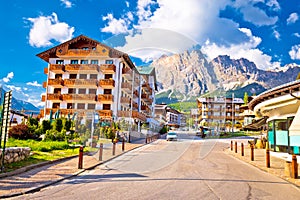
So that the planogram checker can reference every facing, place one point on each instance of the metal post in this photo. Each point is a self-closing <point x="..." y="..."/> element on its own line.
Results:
<point x="123" y="144"/>
<point x="114" y="149"/>
<point x="252" y="152"/>
<point x="268" y="158"/>
<point x="80" y="160"/>
<point x="294" y="166"/>
<point x="100" y="151"/>
<point x="242" y="149"/>
<point x="231" y="145"/>
<point x="235" y="148"/>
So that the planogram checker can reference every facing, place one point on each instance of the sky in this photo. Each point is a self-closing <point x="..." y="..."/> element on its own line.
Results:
<point x="264" y="31"/>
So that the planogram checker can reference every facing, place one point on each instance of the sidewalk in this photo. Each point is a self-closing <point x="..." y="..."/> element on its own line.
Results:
<point x="38" y="177"/>
<point x="277" y="161"/>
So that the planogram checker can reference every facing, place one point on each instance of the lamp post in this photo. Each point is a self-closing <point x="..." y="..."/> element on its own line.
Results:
<point x="232" y="113"/>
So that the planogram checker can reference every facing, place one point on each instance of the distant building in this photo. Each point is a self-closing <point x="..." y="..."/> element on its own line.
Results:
<point x="281" y="106"/>
<point x="219" y="111"/>
<point x="169" y="116"/>
<point x="86" y="78"/>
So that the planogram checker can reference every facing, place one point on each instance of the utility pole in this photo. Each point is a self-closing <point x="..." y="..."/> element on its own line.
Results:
<point x="232" y="113"/>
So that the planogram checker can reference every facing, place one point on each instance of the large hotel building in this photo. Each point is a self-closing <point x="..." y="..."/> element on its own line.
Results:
<point x="85" y="76"/>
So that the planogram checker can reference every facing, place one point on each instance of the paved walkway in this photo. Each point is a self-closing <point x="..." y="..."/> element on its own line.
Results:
<point x="37" y="177"/>
<point x="277" y="161"/>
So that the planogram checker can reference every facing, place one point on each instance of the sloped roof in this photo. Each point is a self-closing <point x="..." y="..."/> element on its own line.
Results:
<point x="52" y="51"/>
<point x="148" y="70"/>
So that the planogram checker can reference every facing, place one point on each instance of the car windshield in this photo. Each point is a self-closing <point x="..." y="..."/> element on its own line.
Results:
<point x="171" y="133"/>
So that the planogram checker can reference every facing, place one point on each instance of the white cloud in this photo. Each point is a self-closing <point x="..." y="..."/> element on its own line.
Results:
<point x="292" y="18"/>
<point x="9" y="76"/>
<point x="246" y="50"/>
<point x="47" y="28"/>
<point x="127" y="4"/>
<point x="295" y="52"/>
<point x="35" y="83"/>
<point x="276" y="34"/>
<point x="115" y="26"/>
<point x="67" y="3"/>
<point x="14" y="88"/>
<point x="254" y="14"/>
<point x="199" y="20"/>
<point x="297" y="35"/>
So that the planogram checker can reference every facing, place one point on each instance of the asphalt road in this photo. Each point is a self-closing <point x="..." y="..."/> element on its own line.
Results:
<point x="186" y="169"/>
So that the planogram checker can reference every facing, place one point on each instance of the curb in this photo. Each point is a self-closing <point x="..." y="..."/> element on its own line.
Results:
<point x="32" y="190"/>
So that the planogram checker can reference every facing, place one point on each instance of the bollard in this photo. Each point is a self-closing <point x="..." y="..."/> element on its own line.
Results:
<point x="252" y="152"/>
<point x="123" y="145"/>
<point x="80" y="160"/>
<point x="268" y="158"/>
<point x="235" y="148"/>
<point x="114" y="149"/>
<point x="231" y="144"/>
<point x="242" y="149"/>
<point x="146" y="140"/>
<point x="294" y="166"/>
<point x="100" y="151"/>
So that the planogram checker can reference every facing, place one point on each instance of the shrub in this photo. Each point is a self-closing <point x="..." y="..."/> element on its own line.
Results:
<point x="46" y="125"/>
<point x="58" y="125"/>
<point x="21" y="132"/>
<point x="54" y="135"/>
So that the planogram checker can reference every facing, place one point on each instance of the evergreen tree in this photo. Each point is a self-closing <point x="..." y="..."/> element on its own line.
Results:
<point x="246" y="98"/>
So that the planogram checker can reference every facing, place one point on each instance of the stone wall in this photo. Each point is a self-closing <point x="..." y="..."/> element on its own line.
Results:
<point x="14" y="154"/>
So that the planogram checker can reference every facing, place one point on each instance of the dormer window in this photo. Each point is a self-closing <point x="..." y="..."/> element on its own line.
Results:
<point x="85" y="48"/>
<point x="74" y="61"/>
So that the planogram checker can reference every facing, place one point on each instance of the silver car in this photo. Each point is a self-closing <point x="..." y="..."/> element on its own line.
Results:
<point x="171" y="136"/>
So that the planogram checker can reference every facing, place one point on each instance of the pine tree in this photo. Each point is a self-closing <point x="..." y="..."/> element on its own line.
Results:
<point x="246" y="98"/>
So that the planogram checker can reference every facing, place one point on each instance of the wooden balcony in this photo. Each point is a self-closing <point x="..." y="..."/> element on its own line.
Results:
<point x="144" y="107"/>
<point x="74" y="83"/>
<point x="136" y="93"/>
<point x="58" y="83"/>
<point x="107" y="83"/>
<point x="147" y="98"/>
<point x="43" y="98"/>
<point x="78" y="97"/>
<point x="135" y="105"/>
<point x="127" y="87"/>
<point x="46" y="70"/>
<point x="125" y="100"/>
<point x="78" y="53"/>
<point x="127" y="73"/>
<point x="105" y="113"/>
<point x="54" y="97"/>
<point x="57" y="68"/>
<point x="132" y="114"/>
<point x="44" y="84"/>
<point x="108" y="68"/>
<point x="147" y="88"/>
<point x="84" y="68"/>
<point x="106" y="98"/>
<point x="63" y="112"/>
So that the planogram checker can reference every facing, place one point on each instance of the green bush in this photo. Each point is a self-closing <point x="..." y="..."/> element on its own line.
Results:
<point x="54" y="135"/>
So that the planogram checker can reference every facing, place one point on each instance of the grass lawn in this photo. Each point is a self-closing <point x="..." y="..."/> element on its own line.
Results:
<point x="41" y="151"/>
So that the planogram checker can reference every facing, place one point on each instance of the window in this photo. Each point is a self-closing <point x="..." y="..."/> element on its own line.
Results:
<point x="82" y="76"/>
<point x="84" y="62"/>
<point x="80" y="106"/>
<point x="85" y="48"/>
<point x="70" y="106"/>
<point x="59" y="62"/>
<point x="108" y="76"/>
<point x="93" y="76"/>
<point x="74" y="61"/>
<point x="55" y="105"/>
<point x="73" y="76"/>
<point x="91" y="106"/>
<point x="71" y="91"/>
<point x="109" y="62"/>
<point x="58" y="76"/>
<point x="107" y="91"/>
<point x="94" y="62"/>
<point x="82" y="91"/>
<point x="92" y="91"/>
<point x="106" y="106"/>
<point x="57" y="90"/>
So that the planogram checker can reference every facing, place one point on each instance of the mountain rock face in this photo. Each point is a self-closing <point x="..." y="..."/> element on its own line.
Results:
<point x="190" y="75"/>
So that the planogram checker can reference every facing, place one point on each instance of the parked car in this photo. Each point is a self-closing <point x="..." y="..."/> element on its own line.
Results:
<point x="171" y="136"/>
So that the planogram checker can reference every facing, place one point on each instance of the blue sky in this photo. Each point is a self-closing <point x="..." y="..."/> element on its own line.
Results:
<point x="264" y="31"/>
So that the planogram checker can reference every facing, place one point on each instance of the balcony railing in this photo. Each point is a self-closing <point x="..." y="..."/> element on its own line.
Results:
<point x="136" y="93"/>
<point x="125" y="100"/>
<point x="79" y="97"/>
<point x="108" y="68"/>
<point x="54" y="97"/>
<point x="105" y="98"/>
<point x="56" y="82"/>
<point x="93" y="68"/>
<point x="80" y="82"/>
<point x="46" y="70"/>
<point x="132" y="114"/>
<point x="135" y="105"/>
<point x="107" y="83"/>
<point x="105" y="113"/>
<point x="126" y="87"/>
<point x="57" y="68"/>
